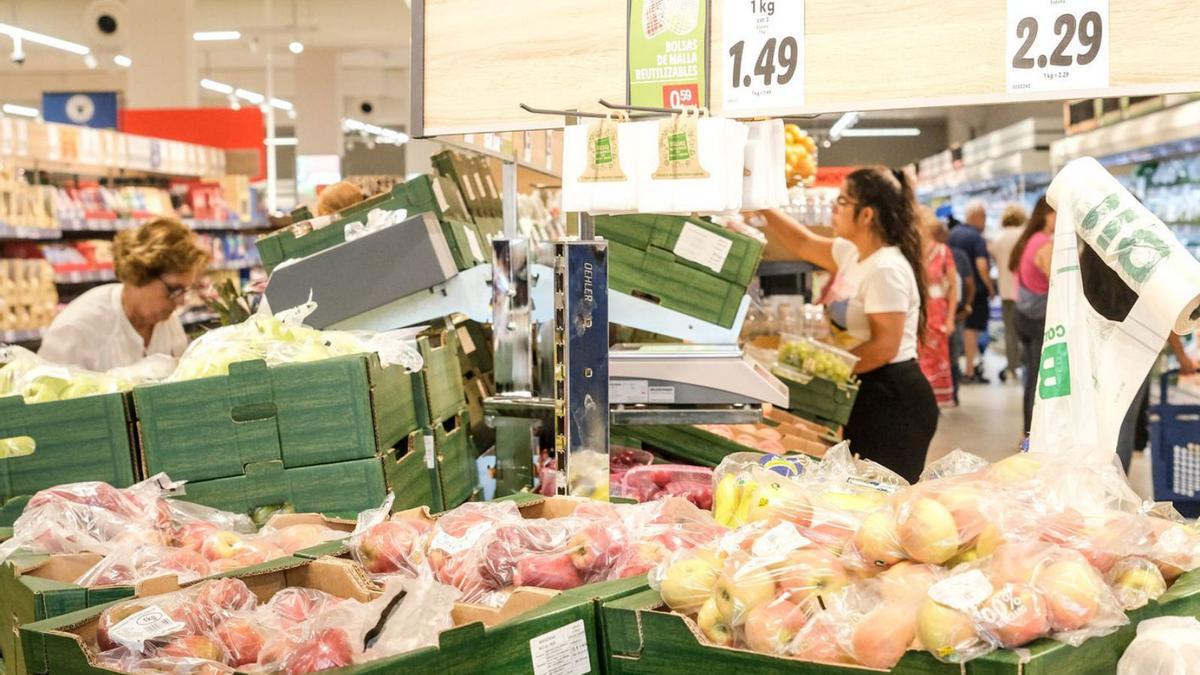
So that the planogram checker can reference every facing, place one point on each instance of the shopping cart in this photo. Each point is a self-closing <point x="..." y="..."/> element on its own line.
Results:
<point x="1175" y="451"/>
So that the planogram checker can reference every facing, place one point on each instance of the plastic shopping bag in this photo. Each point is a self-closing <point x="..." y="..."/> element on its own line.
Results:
<point x="1092" y="365"/>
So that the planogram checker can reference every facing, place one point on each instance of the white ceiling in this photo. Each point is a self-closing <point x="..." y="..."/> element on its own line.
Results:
<point x="373" y="36"/>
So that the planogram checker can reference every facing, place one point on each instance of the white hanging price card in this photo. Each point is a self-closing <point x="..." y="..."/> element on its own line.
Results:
<point x="763" y="48"/>
<point x="1056" y="45"/>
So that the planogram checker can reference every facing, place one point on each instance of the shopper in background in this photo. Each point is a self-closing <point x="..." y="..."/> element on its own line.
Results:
<point x="878" y="304"/>
<point x="1001" y="249"/>
<point x="119" y="324"/>
<point x="1030" y="262"/>
<point x="338" y="196"/>
<point x="966" y="291"/>
<point x="941" y="277"/>
<point x="968" y="238"/>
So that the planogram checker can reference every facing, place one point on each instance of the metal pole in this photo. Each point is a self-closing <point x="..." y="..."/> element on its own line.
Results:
<point x="272" y="169"/>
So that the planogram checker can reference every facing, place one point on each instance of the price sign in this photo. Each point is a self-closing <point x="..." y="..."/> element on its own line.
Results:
<point x="763" y="44"/>
<point x="1056" y="45"/>
<point x="668" y="53"/>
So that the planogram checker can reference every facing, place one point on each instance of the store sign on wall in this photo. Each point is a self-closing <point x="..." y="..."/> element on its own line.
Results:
<point x="1057" y="45"/>
<point x="763" y="48"/>
<point x="668" y="53"/>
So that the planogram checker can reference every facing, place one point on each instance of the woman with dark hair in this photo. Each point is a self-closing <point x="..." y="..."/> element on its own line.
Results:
<point x="877" y="304"/>
<point x="1030" y="262"/>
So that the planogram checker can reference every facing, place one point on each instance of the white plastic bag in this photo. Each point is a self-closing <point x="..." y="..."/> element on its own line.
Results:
<point x="1168" y="645"/>
<point x="765" y="178"/>
<point x="608" y="183"/>
<point x="1091" y="366"/>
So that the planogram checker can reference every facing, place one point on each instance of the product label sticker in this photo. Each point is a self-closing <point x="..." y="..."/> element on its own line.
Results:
<point x="454" y="545"/>
<point x="628" y="391"/>
<point x="603" y="154"/>
<point x="660" y="395"/>
<point x="473" y="243"/>
<point x="703" y="247"/>
<point x="134" y="630"/>
<point x="430" y="453"/>
<point x="779" y="541"/>
<point x="962" y="591"/>
<point x="563" y="651"/>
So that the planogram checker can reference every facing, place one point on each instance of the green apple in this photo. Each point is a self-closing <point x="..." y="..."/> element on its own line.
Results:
<point x="44" y="388"/>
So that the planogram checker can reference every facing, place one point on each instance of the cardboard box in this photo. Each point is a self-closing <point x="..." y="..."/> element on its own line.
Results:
<point x="60" y="645"/>
<point x="643" y="636"/>
<point x="457" y="472"/>
<point x="656" y="276"/>
<point x="81" y="439"/>
<point x="817" y="396"/>
<point x="694" y="445"/>
<point x="694" y="242"/>
<point x="443" y="380"/>
<point x="37" y="587"/>
<point x="294" y="415"/>
<point x="423" y="194"/>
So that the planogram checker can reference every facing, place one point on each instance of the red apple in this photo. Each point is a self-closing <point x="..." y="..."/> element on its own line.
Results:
<point x="598" y="548"/>
<point x="1073" y="591"/>
<point x="882" y="636"/>
<point x="192" y="535"/>
<point x="327" y="649"/>
<point x="1015" y="562"/>
<point x="242" y="639"/>
<point x="769" y="628"/>
<point x="547" y="570"/>
<point x="222" y="544"/>
<point x="391" y="546"/>
<point x="185" y="562"/>
<point x="1016" y="614"/>
<point x="297" y="605"/>
<point x="194" y="647"/>
<point x="113" y="575"/>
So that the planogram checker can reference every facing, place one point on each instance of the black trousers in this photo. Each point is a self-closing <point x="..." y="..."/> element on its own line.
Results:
<point x="1031" y="331"/>
<point x="894" y="418"/>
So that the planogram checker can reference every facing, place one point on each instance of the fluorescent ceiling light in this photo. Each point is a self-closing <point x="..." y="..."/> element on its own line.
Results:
<point x="881" y="132"/>
<point x="216" y="35"/>
<point x="251" y="96"/>
<point x="42" y="39"/>
<point x="89" y="60"/>
<point x="285" y="140"/>
<point x="282" y="104"/>
<point x="388" y="135"/>
<point x="295" y="46"/>
<point x="122" y="60"/>
<point x="219" y="87"/>
<point x="844" y="122"/>
<point x="22" y="110"/>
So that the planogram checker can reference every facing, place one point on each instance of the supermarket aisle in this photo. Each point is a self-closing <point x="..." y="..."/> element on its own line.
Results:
<point x="988" y="423"/>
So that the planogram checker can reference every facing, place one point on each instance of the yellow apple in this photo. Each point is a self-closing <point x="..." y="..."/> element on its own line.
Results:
<point x="928" y="532"/>
<point x="714" y="626"/>
<point x="689" y="583"/>
<point x="946" y="633"/>
<point x="1014" y="469"/>
<point x="739" y="591"/>
<point x="877" y="540"/>
<point x="1073" y="591"/>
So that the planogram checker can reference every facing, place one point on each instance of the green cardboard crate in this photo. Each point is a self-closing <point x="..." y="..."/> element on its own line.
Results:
<point x="51" y="647"/>
<point x="33" y="588"/>
<point x="300" y="414"/>
<point x="493" y="640"/>
<point x="706" y="247"/>
<point x="443" y="376"/>
<point x="82" y="439"/>
<point x="688" y="443"/>
<point x="420" y="195"/>
<point x="643" y="636"/>
<point x="456" y="468"/>
<point x="341" y="489"/>
<point x="655" y="275"/>
<point x="817" y="396"/>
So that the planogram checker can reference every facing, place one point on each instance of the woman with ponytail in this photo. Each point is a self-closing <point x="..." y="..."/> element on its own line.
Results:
<point x="877" y="304"/>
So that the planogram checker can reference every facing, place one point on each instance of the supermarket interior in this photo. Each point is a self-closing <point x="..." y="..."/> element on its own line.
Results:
<point x="601" y="336"/>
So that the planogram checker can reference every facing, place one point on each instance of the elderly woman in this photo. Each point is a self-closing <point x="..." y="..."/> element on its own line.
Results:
<point x="119" y="324"/>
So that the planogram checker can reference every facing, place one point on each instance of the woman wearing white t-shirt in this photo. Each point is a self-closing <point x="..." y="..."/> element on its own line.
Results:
<point x="876" y="302"/>
<point x="117" y="325"/>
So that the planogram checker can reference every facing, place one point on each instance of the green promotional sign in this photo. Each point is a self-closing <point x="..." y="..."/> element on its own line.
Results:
<point x="668" y="53"/>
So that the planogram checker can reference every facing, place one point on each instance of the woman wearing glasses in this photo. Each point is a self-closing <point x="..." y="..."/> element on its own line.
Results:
<point x="119" y="324"/>
<point x="876" y="302"/>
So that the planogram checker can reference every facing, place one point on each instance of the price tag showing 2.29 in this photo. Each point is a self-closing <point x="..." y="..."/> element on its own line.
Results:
<point x="1057" y="44"/>
<point x="764" y="57"/>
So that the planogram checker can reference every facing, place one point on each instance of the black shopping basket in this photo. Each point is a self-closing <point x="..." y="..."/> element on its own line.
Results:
<point x="1175" y="451"/>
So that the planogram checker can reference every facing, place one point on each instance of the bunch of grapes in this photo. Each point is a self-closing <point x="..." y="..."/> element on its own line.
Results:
<point x="811" y="358"/>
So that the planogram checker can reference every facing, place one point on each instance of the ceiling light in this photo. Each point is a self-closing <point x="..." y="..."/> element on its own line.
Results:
<point x="281" y="104"/>
<point x="295" y="46"/>
<point x="251" y="96"/>
<point x="219" y="87"/>
<point x="285" y="140"/>
<point x="881" y="132"/>
<point x="22" y="110"/>
<point x="844" y="122"/>
<point x="122" y="60"/>
<point x="89" y="60"/>
<point x="42" y="39"/>
<point x="216" y="35"/>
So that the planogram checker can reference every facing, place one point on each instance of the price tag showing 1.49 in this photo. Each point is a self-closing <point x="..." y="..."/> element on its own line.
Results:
<point x="1055" y="45"/>
<point x="763" y="45"/>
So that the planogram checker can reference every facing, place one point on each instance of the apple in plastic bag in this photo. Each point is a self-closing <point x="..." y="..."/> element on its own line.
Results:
<point x="548" y="570"/>
<point x="329" y="648"/>
<point x="714" y="625"/>
<point x="770" y="627"/>
<point x="741" y="588"/>
<point x="43" y="389"/>
<point x="878" y="541"/>
<point x="221" y="544"/>
<point x="242" y="639"/>
<point x="688" y="583"/>
<point x="928" y="532"/>
<point x="194" y="647"/>
<point x="1073" y="591"/>
<point x="1018" y="615"/>
<point x="597" y="547"/>
<point x="113" y="616"/>
<point x="808" y="572"/>
<point x="946" y="633"/>
<point x="390" y="546"/>
<point x="883" y="635"/>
